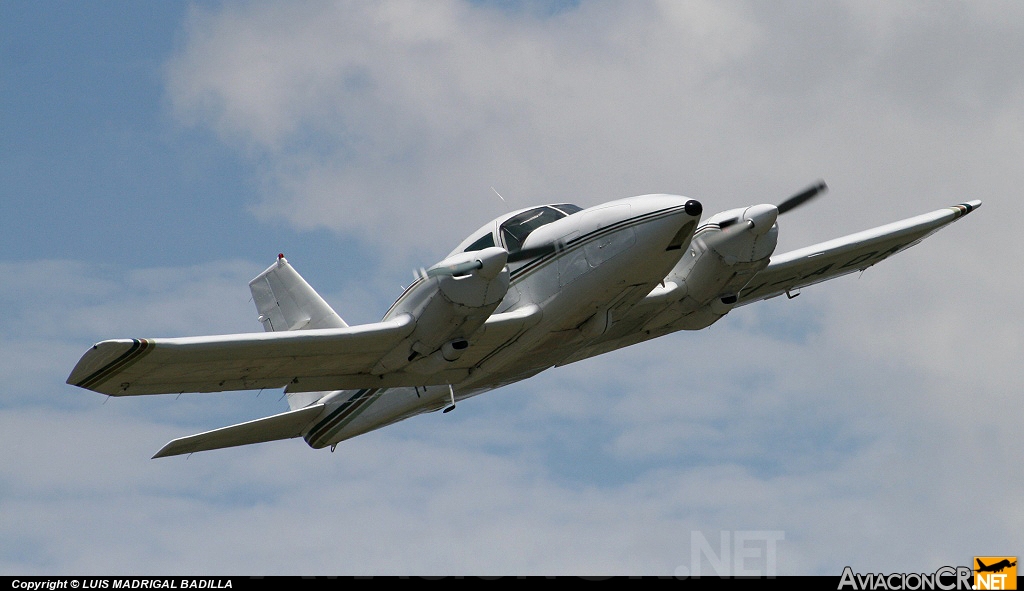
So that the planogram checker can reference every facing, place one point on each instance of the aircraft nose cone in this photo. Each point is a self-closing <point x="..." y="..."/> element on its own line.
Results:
<point x="693" y="207"/>
<point x="762" y="216"/>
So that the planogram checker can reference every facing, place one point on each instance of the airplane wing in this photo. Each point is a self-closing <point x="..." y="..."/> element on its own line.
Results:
<point x="785" y="272"/>
<point x="129" y="367"/>
<point x="855" y="252"/>
<point x="302" y="360"/>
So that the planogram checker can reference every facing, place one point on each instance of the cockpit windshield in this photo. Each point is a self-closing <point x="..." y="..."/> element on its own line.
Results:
<point x="515" y="229"/>
<point x="485" y="241"/>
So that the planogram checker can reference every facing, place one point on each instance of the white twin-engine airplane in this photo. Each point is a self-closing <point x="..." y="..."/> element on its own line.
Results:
<point x="533" y="289"/>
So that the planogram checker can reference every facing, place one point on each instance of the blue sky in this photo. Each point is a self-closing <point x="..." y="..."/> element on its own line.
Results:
<point x="88" y="129"/>
<point x="156" y="156"/>
<point x="93" y="149"/>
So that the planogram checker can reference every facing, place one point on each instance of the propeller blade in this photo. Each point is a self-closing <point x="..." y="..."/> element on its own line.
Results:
<point x="468" y="267"/>
<point x="726" y="233"/>
<point x="454" y="270"/>
<point x="488" y="261"/>
<point x="534" y="252"/>
<point x="802" y="197"/>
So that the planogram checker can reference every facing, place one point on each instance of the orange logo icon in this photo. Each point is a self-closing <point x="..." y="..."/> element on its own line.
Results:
<point x="995" y="572"/>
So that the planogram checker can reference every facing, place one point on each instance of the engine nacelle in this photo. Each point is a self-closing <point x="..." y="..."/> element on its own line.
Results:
<point x="449" y="302"/>
<point x="723" y="257"/>
<point x="484" y="285"/>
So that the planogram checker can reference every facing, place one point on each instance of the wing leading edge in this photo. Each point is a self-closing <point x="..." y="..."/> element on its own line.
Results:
<point x="855" y="252"/>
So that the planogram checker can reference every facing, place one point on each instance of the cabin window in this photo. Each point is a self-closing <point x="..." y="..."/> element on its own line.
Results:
<point x="515" y="230"/>
<point x="485" y="241"/>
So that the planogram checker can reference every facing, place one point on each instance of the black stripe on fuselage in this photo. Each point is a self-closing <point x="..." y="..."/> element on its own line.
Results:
<point x="323" y="428"/>
<point x="543" y="260"/>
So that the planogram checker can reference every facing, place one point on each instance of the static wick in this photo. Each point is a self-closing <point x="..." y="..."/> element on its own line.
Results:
<point x="498" y="194"/>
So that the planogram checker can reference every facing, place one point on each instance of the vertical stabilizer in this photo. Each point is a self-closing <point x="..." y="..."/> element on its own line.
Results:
<point x="286" y="302"/>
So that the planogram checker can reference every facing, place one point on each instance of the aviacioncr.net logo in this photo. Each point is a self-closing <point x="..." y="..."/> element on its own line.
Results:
<point x="946" y="578"/>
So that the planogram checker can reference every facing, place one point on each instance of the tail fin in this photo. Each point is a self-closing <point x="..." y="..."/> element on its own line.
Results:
<point x="286" y="302"/>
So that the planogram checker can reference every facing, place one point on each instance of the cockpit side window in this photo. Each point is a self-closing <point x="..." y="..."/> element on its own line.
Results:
<point x="515" y="230"/>
<point x="485" y="241"/>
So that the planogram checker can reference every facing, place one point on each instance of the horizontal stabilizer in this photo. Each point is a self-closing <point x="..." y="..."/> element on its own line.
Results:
<point x="281" y="426"/>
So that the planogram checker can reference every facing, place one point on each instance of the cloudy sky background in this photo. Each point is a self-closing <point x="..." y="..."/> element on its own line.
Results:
<point x="155" y="157"/>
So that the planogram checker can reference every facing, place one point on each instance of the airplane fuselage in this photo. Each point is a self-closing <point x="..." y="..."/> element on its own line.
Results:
<point x="606" y="259"/>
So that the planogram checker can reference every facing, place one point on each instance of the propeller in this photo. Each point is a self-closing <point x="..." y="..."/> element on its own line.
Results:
<point x="789" y="204"/>
<point x="467" y="267"/>
<point x="762" y="216"/>
<point x="457" y="270"/>
<point x="535" y="251"/>
<point x="729" y="229"/>
<point x="488" y="261"/>
<point x="802" y="197"/>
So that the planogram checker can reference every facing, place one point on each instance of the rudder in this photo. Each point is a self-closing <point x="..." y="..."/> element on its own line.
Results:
<point x="285" y="301"/>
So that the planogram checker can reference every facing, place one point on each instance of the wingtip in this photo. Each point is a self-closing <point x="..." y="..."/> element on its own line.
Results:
<point x="967" y="207"/>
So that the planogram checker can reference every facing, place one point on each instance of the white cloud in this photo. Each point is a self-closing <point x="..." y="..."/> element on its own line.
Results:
<point x="873" y="420"/>
<point x="417" y="109"/>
